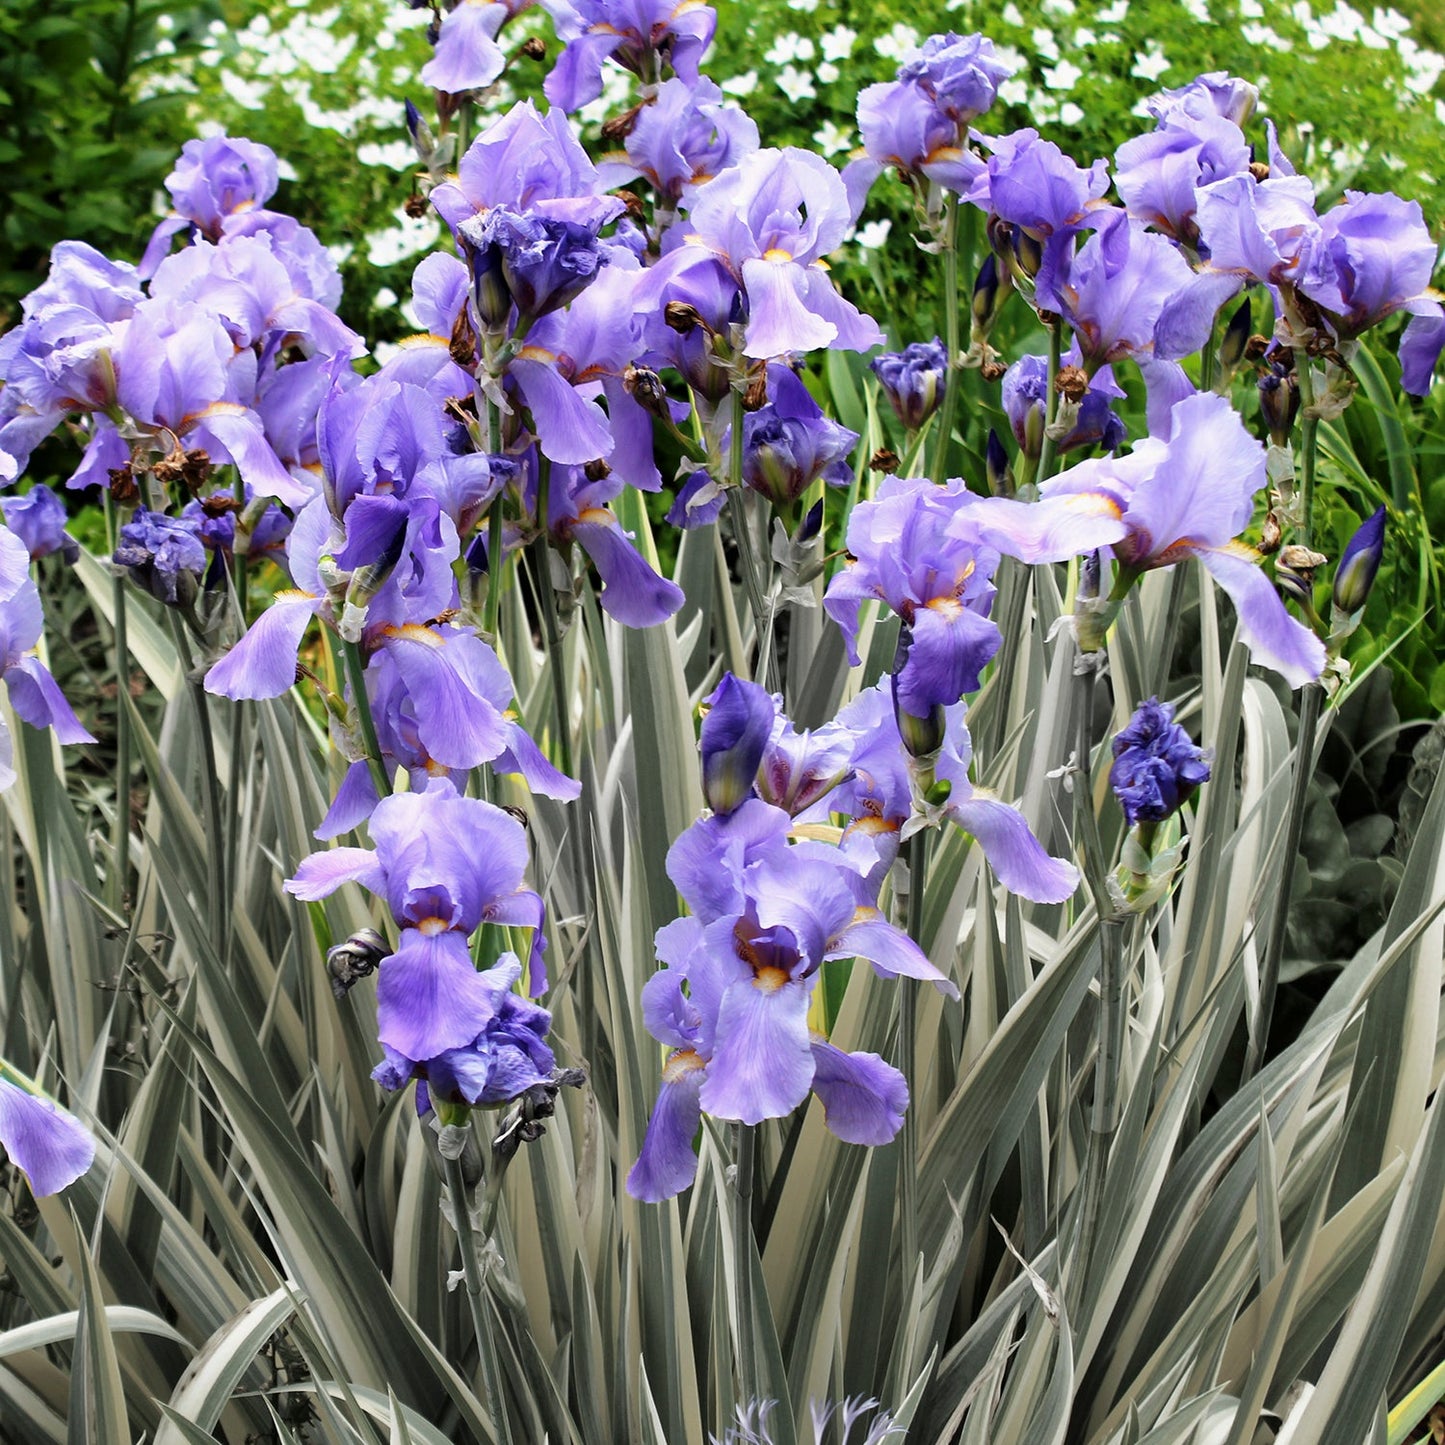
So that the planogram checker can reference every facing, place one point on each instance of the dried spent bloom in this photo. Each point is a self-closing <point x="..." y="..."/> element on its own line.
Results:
<point x="1157" y="766"/>
<point x="913" y="380"/>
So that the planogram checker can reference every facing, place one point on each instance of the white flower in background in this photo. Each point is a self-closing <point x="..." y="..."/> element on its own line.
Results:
<point x="248" y="94"/>
<point x="1266" y="37"/>
<point x="285" y="170"/>
<point x="1043" y="106"/>
<point x="838" y="43"/>
<point x="1058" y="7"/>
<point x="1070" y="114"/>
<point x="1045" y="46"/>
<point x="410" y="236"/>
<point x="1113" y="14"/>
<point x="383" y="351"/>
<point x="873" y="236"/>
<point x="828" y="72"/>
<point x="1390" y="23"/>
<point x="341" y="253"/>
<point x="898" y="42"/>
<point x="740" y="85"/>
<point x="1012" y="15"/>
<point x="805" y="7"/>
<point x="1151" y="64"/>
<point x="788" y="48"/>
<point x="1014" y="91"/>
<point x="830" y="138"/>
<point x="1250" y="10"/>
<point x="796" y="84"/>
<point x="398" y="154"/>
<point x="1084" y="38"/>
<point x="1063" y="76"/>
<point x="1199" y="9"/>
<point x="384" y="299"/>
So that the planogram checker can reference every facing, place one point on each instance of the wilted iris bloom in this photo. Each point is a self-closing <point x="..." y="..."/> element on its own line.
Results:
<point x="38" y="519"/>
<point x="164" y="555"/>
<point x="1190" y="495"/>
<point x="51" y="1146"/>
<point x="1157" y="766"/>
<point x="445" y="864"/>
<point x="640" y="35"/>
<point x="770" y="221"/>
<point x="913" y="380"/>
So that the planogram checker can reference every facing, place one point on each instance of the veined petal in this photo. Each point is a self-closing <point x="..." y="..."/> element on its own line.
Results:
<point x="36" y="696"/>
<point x="863" y="1098"/>
<point x="632" y="592"/>
<point x="780" y="321"/>
<point x="50" y="1145"/>
<point x="890" y="951"/>
<point x="263" y="663"/>
<point x="354" y="803"/>
<point x="1014" y="854"/>
<point x="569" y="427"/>
<point x="321" y="874"/>
<point x="667" y="1164"/>
<point x="522" y="755"/>
<point x="762" y="1065"/>
<point x="429" y="997"/>
<point x="1274" y="638"/>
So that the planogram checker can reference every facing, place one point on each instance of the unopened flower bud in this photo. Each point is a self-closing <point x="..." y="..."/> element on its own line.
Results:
<point x="1235" y="340"/>
<point x="735" y="732"/>
<point x="884" y="460"/>
<point x="645" y="387"/>
<point x="1355" y="575"/>
<point x="913" y="380"/>
<point x="996" y="465"/>
<point x="681" y="317"/>
<point x="922" y="736"/>
<point x="1279" y="403"/>
<point x="990" y="291"/>
<point x="1157" y="767"/>
<point x="1294" y="574"/>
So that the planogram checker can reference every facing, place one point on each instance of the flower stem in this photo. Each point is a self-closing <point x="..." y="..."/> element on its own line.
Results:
<point x="552" y="625"/>
<point x="481" y="1325"/>
<point x="120" y="876"/>
<point x="737" y="510"/>
<point x="944" y="432"/>
<point x="1309" y="428"/>
<point x="1051" y="400"/>
<point x="744" y="1145"/>
<point x="356" y="673"/>
<point x="908" y="1060"/>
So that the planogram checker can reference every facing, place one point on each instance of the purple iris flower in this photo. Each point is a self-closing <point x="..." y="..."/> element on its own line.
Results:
<point x="38" y="519"/>
<point x="1157" y="766"/>
<point x="799" y="769"/>
<point x="902" y="126"/>
<point x="735" y="731"/>
<point x="959" y="73"/>
<point x="1157" y="174"/>
<point x="1190" y="495"/>
<point x="742" y="1046"/>
<point x="1025" y="399"/>
<point x="1226" y="95"/>
<point x="467" y="54"/>
<point x="640" y="35"/>
<point x="535" y="263"/>
<point x="771" y="220"/>
<point x="509" y="1055"/>
<point x="880" y="797"/>
<point x="445" y="864"/>
<point x="684" y="138"/>
<point x="32" y="690"/>
<point x="788" y="444"/>
<point x="52" y="1146"/>
<point x="214" y="180"/>
<point x="1034" y="186"/>
<point x="1116" y="290"/>
<point x="530" y="163"/>
<point x="913" y="380"/>
<point x="164" y="555"/>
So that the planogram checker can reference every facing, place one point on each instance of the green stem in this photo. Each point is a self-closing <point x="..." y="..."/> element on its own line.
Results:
<point x="1207" y="359"/>
<point x="744" y="1144"/>
<point x="908" y="1060"/>
<point x="120" y="878"/>
<point x="356" y="673"/>
<point x="944" y="433"/>
<point x="552" y="628"/>
<point x="1309" y="428"/>
<point x="1304" y="768"/>
<point x="1051" y="400"/>
<point x="737" y="510"/>
<point x="481" y="1325"/>
<point x="218" y="903"/>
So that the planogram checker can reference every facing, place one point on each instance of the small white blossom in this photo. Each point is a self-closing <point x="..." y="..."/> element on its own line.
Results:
<point x="1199" y="9"/>
<point x="1014" y="91"/>
<point x="1390" y="22"/>
<point x="897" y="43"/>
<point x="788" y="48"/>
<point x="1084" y="38"/>
<point x="384" y="299"/>
<point x="396" y="154"/>
<point x="1266" y="37"/>
<point x="1070" y="114"/>
<point x="838" y="43"/>
<point x="873" y="236"/>
<point x="409" y="237"/>
<point x="740" y="85"/>
<point x="1063" y="76"/>
<point x="1042" y="106"/>
<point x="805" y="6"/>
<point x="285" y="170"/>
<point x="1045" y="46"/>
<point x="1113" y="14"/>
<point x="830" y="138"/>
<point x="1012" y="15"/>
<point x="1250" y="10"/>
<point x="1058" y="7"/>
<point x="248" y="94"/>
<point x="828" y="72"/>
<point x="796" y="84"/>
<point x="1150" y="65"/>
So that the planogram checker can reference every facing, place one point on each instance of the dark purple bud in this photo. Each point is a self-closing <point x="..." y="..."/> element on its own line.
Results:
<point x="913" y="380"/>
<point x="1235" y="339"/>
<point x="1278" y="403"/>
<point x="990" y="291"/>
<point x="1361" y="561"/>
<point x="1157" y="766"/>
<point x="922" y="736"/>
<point x="540" y="262"/>
<point x="812" y="523"/>
<point x="789" y="444"/>
<point x="735" y="732"/>
<point x="996" y="464"/>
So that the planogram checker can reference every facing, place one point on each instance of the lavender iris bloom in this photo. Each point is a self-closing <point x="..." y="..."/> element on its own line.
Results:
<point x="771" y="220"/>
<point x="467" y="54"/>
<point x="1156" y="766"/>
<point x="1226" y="95"/>
<point x="52" y="1147"/>
<point x="445" y="864"/>
<point x="1190" y="495"/>
<point x="1025" y="400"/>
<point x="509" y="1055"/>
<point x="638" y="34"/>
<point x="798" y="769"/>
<point x="684" y="139"/>
<point x="913" y="380"/>
<point x="32" y="690"/>
<point x="959" y="73"/>
<point x="903" y="127"/>
<point x="789" y="444"/>
<point x="38" y="519"/>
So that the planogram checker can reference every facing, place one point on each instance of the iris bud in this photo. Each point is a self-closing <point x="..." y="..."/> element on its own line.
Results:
<point x="1279" y="403"/>
<point x="1355" y="575"/>
<point x="735" y="731"/>
<point x="1157" y="766"/>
